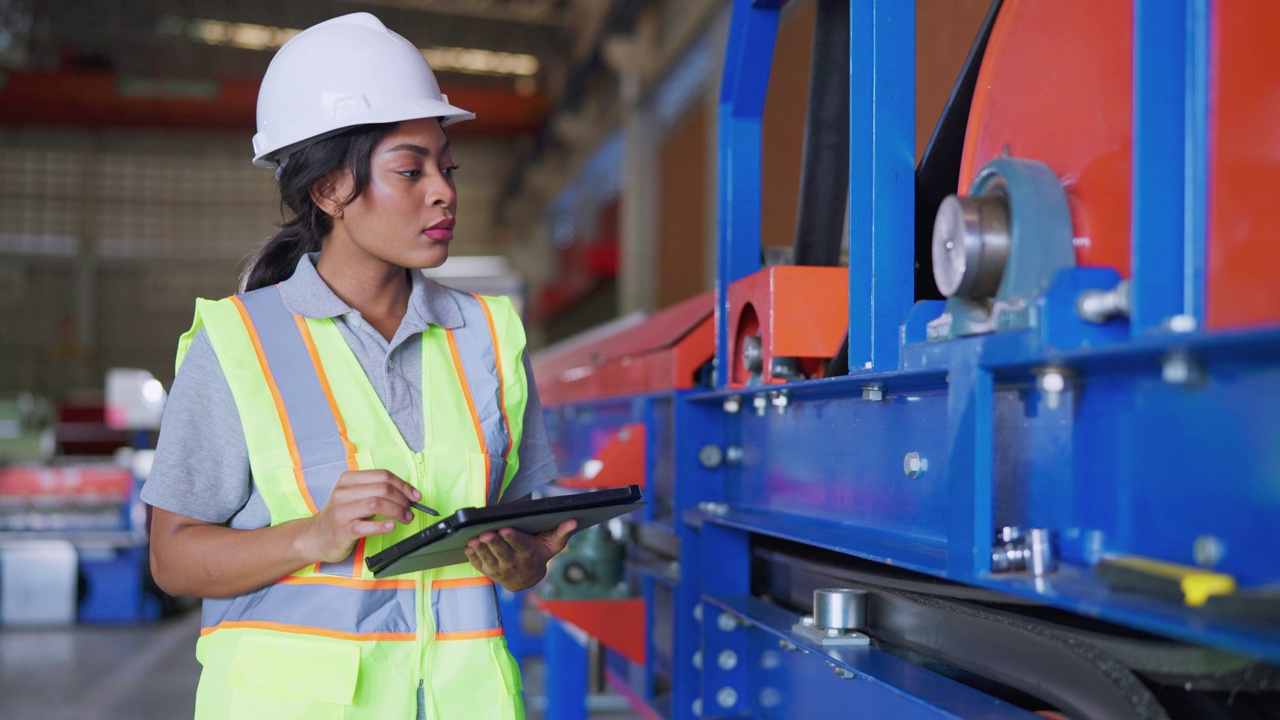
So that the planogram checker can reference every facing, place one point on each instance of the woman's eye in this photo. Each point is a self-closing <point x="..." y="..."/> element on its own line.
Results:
<point x="411" y="173"/>
<point x="450" y="170"/>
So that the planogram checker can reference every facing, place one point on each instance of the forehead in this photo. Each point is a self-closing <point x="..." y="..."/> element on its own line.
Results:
<point x="425" y="133"/>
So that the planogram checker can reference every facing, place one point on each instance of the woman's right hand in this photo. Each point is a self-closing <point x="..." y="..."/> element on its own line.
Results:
<point x="363" y="503"/>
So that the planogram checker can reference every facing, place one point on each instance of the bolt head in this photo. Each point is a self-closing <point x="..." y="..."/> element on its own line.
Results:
<point x="1208" y="550"/>
<point x="732" y="404"/>
<point x="727" y="622"/>
<point x="874" y="393"/>
<point x="913" y="465"/>
<point x="1051" y="382"/>
<point x="697" y="659"/>
<point x="727" y="660"/>
<point x="1182" y="323"/>
<point x="727" y="697"/>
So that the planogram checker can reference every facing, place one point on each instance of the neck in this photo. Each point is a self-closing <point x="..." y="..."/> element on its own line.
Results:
<point x="377" y="289"/>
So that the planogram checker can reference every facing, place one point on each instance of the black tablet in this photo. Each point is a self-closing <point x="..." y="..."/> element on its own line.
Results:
<point x="444" y="542"/>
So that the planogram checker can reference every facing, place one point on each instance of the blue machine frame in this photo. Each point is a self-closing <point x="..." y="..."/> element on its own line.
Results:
<point x="1123" y="461"/>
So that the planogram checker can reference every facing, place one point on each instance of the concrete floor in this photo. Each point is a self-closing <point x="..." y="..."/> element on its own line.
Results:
<point x="145" y="672"/>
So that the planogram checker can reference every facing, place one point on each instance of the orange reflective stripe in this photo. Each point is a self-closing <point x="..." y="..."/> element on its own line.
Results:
<point x="304" y="630"/>
<point x="356" y="583"/>
<point x="470" y="634"/>
<point x="275" y="396"/>
<point x="460" y="582"/>
<point x="497" y="357"/>
<point x="328" y="391"/>
<point x="471" y="406"/>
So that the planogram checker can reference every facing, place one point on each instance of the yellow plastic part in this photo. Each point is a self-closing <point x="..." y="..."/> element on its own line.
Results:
<point x="1197" y="584"/>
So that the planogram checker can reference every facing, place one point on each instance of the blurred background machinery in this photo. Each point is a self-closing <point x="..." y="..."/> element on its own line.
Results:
<point x="1021" y="400"/>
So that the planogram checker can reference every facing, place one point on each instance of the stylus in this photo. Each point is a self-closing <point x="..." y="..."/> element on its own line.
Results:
<point x="423" y="508"/>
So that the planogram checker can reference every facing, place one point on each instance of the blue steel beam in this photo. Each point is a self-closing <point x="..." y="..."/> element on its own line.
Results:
<point x="1170" y="161"/>
<point x="881" y="179"/>
<point x="748" y="57"/>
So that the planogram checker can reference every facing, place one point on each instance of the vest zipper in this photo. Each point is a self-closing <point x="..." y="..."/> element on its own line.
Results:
<point x="423" y="591"/>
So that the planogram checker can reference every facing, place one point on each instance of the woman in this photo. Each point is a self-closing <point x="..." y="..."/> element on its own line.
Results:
<point x="312" y="411"/>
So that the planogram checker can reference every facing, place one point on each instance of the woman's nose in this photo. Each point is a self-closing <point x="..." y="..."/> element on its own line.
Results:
<point x="441" y="193"/>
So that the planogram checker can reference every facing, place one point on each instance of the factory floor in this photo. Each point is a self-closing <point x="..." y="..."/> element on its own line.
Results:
<point x="144" y="672"/>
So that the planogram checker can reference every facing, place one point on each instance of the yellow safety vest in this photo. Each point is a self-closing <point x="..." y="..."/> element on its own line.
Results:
<point x="330" y="641"/>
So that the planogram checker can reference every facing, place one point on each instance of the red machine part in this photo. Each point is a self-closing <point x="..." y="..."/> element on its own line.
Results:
<point x="73" y="483"/>
<point x="622" y="462"/>
<point x="664" y="352"/>
<point x="1244" y="165"/>
<point x="799" y="312"/>
<point x="1056" y="85"/>
<point x="618" y="624"/>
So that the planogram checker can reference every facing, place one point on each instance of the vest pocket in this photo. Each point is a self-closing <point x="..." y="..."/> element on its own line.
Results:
<point x="293" y="677"/>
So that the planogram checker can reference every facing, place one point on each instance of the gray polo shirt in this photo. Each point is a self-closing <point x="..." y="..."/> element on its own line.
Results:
<point x="201" y="467"/>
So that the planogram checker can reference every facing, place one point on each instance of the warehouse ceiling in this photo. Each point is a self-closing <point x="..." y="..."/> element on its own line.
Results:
<point x="184" y="63"/>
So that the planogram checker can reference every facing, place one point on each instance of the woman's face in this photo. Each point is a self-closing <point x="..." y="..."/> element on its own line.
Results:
<point x="405" y="216"/>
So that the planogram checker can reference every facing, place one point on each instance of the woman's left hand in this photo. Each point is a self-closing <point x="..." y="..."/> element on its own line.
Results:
<point x="516" y="560"/>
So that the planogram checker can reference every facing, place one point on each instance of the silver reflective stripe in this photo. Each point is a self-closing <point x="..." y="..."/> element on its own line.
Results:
<point x="478" y="349"/>
<point x="466" y="609"/>
<point x="315" y="430"/>
<point x="325" y="607"/>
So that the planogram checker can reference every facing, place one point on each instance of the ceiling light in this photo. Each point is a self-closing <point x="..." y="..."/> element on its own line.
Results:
<point x="262" y="37"/>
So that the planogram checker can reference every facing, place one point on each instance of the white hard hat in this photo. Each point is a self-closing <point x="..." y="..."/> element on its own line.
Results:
<point x="344" y="72"/>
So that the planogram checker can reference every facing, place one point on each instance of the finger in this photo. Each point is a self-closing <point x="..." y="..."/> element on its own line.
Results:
<point x="486" y="556"/>
<point x="380" y="477"/>
<point x="365" y="528"/>
<point x="502" y="550"/>
<point x="520" y="543"/>
<point x="376" y="505"/>
<point x="555" y="540"/>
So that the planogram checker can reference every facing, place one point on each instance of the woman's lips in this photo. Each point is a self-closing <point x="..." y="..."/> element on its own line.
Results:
<point x="440" y="233"/>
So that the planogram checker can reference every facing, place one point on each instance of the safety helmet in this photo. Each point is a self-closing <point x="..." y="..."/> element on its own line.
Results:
<point x="344" y="72"/>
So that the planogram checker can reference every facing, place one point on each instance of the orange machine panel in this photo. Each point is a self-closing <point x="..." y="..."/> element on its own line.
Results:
<point x="663" y="352"/>
<point x="1244" y="165"/>
<point x="799" y="312"/>
<point x="1056" y="85"/>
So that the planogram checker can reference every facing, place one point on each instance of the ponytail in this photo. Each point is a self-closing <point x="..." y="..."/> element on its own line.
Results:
<point x="305" y="231"/>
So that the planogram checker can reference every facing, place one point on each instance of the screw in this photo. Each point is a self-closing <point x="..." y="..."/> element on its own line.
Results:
<point x="760" y="403"/>
<point x="727" y="622"/>
<point x="787" y="645"/>
<point x="874" y="393"/>
<point x="1208" y="550"/>
<point x="697" y="659"/>
<point x="727" y="660"/>
<point x="697" y="707"/>
<point x="733" y="404"/>
<point x="913" y="466"/>
<point x="727" y="697"/>
<point x="770" y="698"/>
<point x="697" y="612"/>
<point x="771" y="660"/>
<point x="1182" y="324"/>
<point x="780" y="401"/>
<point x="1052" y="382"/>
<point x="1180" y="368"/>
<point x="710" y="456"/>
<point x="733" y="454"/>
<point x="844" y="674"/>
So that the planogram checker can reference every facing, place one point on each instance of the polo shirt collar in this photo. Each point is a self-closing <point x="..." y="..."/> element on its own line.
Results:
<point x="305" y="293"/>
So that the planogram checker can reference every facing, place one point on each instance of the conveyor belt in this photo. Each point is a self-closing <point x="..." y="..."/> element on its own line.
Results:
<point x="1018" y="651"/>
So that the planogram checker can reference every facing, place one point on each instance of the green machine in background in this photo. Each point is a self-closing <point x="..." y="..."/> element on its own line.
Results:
<point x="589" y="568"/>
<point x="26" y="430"/>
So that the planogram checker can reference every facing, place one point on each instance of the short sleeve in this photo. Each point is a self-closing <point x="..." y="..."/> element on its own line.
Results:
<point x="201" y="467"/>
<point x="537" y="462"/>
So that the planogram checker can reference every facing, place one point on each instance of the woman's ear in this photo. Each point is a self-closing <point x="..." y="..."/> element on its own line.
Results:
<point x="330" y="192"/>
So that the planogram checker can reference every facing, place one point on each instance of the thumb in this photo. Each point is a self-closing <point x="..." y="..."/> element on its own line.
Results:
<point x="558" y="538"/>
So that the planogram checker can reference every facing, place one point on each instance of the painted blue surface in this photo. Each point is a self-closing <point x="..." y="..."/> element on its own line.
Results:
<point x="881" y="178"/>
<point x="567" y="673"/>
<point x="1170" y="112"/>
<point x="790" y="677"/>
<point x="748" y="57"/>
<point x="1125" y="463"/>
